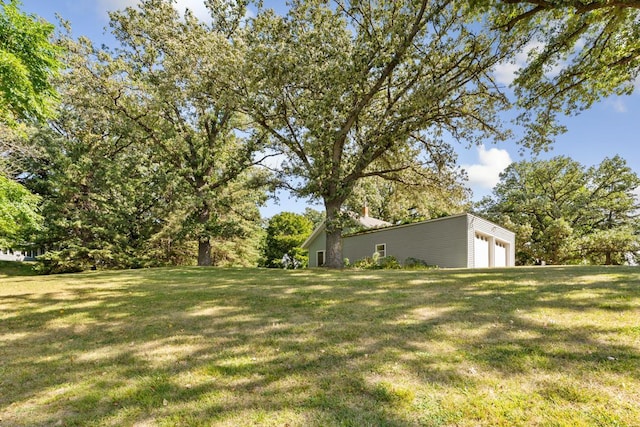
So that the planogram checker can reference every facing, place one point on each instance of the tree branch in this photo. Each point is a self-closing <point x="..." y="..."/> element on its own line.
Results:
<point x="578" y="6"/>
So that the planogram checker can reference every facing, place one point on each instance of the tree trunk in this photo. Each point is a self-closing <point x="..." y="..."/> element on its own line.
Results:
<point x="608" y="260"/>
<point x="334" y="249"/>
<point x="334" y="235"/>
<point x="204" y="252"/>
<point x="204" y="241"/>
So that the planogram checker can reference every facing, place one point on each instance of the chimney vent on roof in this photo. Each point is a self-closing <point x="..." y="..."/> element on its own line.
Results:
<point x="365" y="211"/>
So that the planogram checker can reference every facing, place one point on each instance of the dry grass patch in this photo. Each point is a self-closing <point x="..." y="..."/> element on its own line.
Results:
<point x="199" y="347"/>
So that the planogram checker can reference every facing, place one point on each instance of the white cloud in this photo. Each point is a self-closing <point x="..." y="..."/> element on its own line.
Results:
<point x="486" y="173"/>
<point x="617" y="104"/>
<point x="505" y="72"/>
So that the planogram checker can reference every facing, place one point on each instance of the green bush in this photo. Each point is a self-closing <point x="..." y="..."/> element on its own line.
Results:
<point x="77" y="259"/>
<point x="389" y="263"/>
<point x="284" y="235"/>
<point x="365" y="264"/>
<point x="60" y="262"/>
<point x="377" y="263"/>
<point x="417" y="264"/>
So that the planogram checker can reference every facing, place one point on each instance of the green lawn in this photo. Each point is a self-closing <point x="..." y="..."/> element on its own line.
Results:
<point x="552" y="346"/>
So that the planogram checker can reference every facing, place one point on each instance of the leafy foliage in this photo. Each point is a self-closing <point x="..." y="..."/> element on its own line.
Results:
<point x="144" y="165"/>
<point x="171" y="83"/>
<point x="409" y="199"/>
<point x="28" y="60"/>
<point x="285" y="234"/>
<point x="316" y="217"/>
<point x="563" y="212"/>
<point x="102" y="203"/>
<point x="579" y="52"/>
<point x="416" y="264"/>
<point x="370" y="89"/>
<point x="375" y="262"/>
<point x="19" y="213"/>
<point x="153" y="158"/>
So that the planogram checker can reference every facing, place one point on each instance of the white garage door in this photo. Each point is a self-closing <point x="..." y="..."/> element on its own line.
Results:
<point x="500" y="253"/>
<point x="481" y="252"/>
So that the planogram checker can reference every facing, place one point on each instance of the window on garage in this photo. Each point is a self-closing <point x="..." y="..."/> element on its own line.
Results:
<point x="381" y="249"/>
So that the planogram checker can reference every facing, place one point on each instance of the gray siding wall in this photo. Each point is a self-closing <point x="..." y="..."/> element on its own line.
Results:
<point x="442" y="242"/>
<point x="482" y="226"/>
<point x="445" y="242"/>
<point x="319" y="244"/>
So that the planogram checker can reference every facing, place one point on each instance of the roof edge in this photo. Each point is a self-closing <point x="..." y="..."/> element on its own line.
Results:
<point x="443" y="218"/>
<point x="319" y="229"/>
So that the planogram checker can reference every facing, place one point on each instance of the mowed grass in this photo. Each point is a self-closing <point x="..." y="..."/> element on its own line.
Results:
<point x="553" y="346"/>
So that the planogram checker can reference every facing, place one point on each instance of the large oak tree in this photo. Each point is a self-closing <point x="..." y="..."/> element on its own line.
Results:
<point x="340" y="85"/>
<point x="172" y="79"/>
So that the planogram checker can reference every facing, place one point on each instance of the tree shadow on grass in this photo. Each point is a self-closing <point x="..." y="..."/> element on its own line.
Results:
<point x="252" y="347"/>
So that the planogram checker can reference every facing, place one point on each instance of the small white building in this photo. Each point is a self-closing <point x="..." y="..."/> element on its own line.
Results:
<point x="458" y="241"/>
<point x="18" y="255"/>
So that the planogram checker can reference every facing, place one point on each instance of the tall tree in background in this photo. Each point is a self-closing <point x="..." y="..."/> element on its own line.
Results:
<point x="338" y="86"/>
<point x="103" y="199"/>
<point x="103" y="196"/>
<point x="286" y="232"/>
<point x="614" y="227"/>
<point x="565" y="213"/>
<point x="172" y="80"/>
<point x="315" y="216"/>
<point x="399" y="202"/>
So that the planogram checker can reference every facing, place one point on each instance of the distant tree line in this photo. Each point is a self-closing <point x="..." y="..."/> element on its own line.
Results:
<point x="566" y="213"/>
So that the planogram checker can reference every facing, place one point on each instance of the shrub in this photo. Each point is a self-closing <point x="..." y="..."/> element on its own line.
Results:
<point x="377" y="263"/>
<point x="76" y="259"/>
<point x="389" y="263"/>
<point x="417" y="264"/>
<point x="365" y="264"/>
<point x="59" y="262"/>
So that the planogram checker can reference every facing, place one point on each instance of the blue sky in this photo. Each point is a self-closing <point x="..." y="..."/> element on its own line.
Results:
<point x="609" y="128"/>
